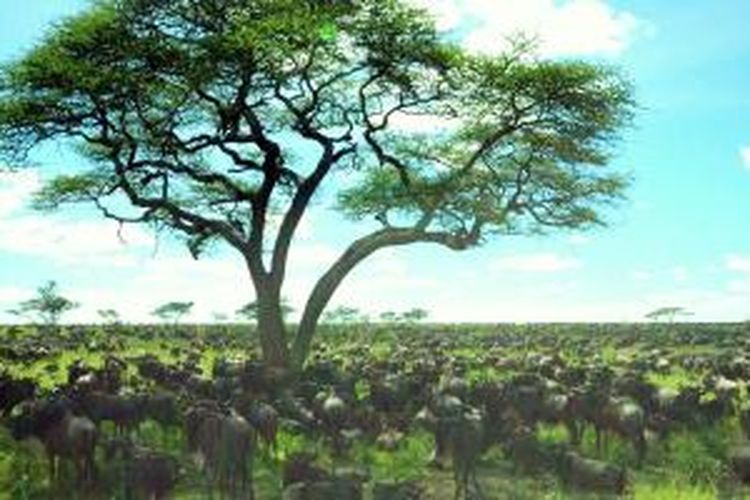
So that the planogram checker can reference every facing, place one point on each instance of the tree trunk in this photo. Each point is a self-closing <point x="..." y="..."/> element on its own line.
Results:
<point x="357" y="251"/>
<point x="316" y="303"/>
<point x="271" y="329"/>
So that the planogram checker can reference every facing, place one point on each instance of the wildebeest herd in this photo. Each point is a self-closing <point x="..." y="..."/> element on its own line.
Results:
<point x="593" y="408"/>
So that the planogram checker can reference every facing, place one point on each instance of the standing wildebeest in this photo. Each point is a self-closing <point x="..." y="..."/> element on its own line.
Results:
<point x="607" y="413"/>
<point x="126" y="412"/>
<point x="225" y="442"/>
<point x="147" y="474"/>
<point x="592" y="475"/>
<point x="63" y="435"/>
<point x="466" y="441"/>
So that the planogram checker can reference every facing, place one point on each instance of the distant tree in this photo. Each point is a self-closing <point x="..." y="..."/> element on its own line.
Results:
<point x="109" y="316"/>
<point x="251" y="310"/>
<point x="388" y="316"/>
<point x="48" y="306"/>
<point x="192" y="115"/>
<point x="220" y="317"/>
<point x="248" y="312"/>
<point x="668" y="313"/>
<point x="415" y="315"/>
<point x="344" y="314"/>
<point x="173" y="311"/>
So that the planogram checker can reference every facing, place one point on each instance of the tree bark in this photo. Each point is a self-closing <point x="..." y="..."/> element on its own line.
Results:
<point x="271" y="329"/>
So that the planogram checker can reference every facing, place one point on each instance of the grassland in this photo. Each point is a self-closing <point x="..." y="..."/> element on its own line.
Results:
<point x="689" y="465"/>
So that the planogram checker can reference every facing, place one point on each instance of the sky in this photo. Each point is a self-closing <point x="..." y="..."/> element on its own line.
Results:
<point x="681" y="238"/>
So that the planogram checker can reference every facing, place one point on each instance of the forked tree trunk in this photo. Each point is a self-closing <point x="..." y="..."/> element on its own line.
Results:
<point x="271" y="329"/>
<point x="276" y="349"/>
<point x="317" y="302"/>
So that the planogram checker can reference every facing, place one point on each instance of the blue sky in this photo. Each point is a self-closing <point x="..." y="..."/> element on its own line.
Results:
<point x="681" y="239"/>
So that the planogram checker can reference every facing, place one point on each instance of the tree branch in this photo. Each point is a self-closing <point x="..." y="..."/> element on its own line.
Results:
<point x="358" y="251"/>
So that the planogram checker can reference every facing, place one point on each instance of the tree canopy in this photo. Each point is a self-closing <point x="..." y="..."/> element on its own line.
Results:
<point x="173" y="311"/>
<point x="251" y="310"/>
<point x="669" y="313"/>
<point x="210" y="118"/>
<point x="48" y="306"/>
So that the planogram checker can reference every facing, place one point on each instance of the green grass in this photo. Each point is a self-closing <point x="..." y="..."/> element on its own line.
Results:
<point x="689" y="466"/>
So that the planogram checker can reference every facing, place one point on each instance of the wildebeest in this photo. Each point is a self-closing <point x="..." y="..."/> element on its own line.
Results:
<point x="126" y="412"/>
<point x="300" y="468"/>
<point x="607" y="413"/>
<point x="739" y="461"/>
<point x="146" y="473"/>
<point x="265" y="419"/>
<point x="63" y="435"/>
<point x="225" y="443"/>
<point x="592" y="475"/>
<point x="437" y="418"/>
<point x="466" y="442"/>
<point x="13" y="391"/>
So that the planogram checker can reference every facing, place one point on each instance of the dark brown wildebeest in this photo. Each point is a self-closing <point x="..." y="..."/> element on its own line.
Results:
<point x="63" y="435"/>
<point x="592" y="475"/>
<point x="13" y="391"/>
<point x="225" y="443"/>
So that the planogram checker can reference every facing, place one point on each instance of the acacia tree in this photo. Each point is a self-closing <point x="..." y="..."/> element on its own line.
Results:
<point x="109" y="316"/>
<point x="220" y="120"/>
<point x="48" y="305"/>
<point x="250" y="311"/>
<point x="173" y="311"/>
<point x="415" y="315"/>
<point x="344" y="314"/>
<point x="669" y="313"/>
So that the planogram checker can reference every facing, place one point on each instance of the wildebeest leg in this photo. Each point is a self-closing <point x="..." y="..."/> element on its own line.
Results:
<point x="640" y="448"/>
<point x="477" y="485"/>
<point x="89" y="468"/>
<point x="458" y="479"/>
<point x="51" y="461"/>
<point x="606" y="440"/>
<point x="209" y="485"/>
<point x="572" y="432"/>
<point x="598" y="438"/>
<point x="437" y="453"/>
<point x="250" y="488"/>
<point x="78" y="464"/>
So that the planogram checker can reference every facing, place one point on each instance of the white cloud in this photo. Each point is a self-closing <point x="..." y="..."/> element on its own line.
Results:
<point x="641" y="275"/>
<point x="447" y="12"/>
<point x="15" y="189"/>
<point x="745" y="156"/>
<point x="541" y="262"/>
<point x="219" y="284"/>
<point x="12" y="294"/>
<point x="739" y="263"/>
<point x="312" y="255"/>
<point x="419" y="123"/>
<point x="679" y="274"/>
<point x="739" y="287"/>
<point x="579" y="239"/>
<point x="571" y="27"/>
<point x="380" y="282"/>
<point x="71" y="241"/>
<point x="57" y="237"/>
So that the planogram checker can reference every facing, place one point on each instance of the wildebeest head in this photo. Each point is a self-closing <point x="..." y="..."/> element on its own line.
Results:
<point x="34" y="418"/>
<point x="22" y="422"/>
<point x="13" y="391"/>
